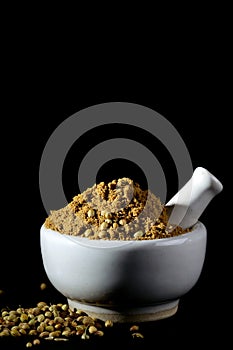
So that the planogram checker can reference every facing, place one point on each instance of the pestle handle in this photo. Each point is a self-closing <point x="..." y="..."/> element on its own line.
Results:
<point x="189" y="203"/>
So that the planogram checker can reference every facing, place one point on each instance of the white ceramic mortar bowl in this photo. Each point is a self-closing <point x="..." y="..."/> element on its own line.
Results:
<point x="124" y="280"/>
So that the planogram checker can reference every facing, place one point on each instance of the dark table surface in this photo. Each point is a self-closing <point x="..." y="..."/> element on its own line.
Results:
<point x="197" y="109"/>
<point x="201" y="315"/>
<point x="199" y="318"/>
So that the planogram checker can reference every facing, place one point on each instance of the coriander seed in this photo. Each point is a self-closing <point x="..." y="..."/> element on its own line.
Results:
<point x="92" y="329"/>
<point x="103" y="226"/>
<point x="32" y="332"/>
<point x="15" y="333"/>
<point x="88" y="232"/>
<point x="102" y="234"/>
<point x="48" y="314"/>
<point x="99" y="333"/>
<point x="138" y="234"/>
<point x="107" y="215"/>
<point x="43" y="286"/>
<point x="85" y="336"/>
<point x="91" y="213"/>
<point x="40" y="318"/>
<point x="23" y="317"/>
<point x="65" y="307"/>
<point x="137" y="335"/>
<point x="41" y="304"/>
<point x="43" y="334"/>
<point x="61" y="339"/>
<point x="108" y="323"/>
<point x="122" y="222"/>
<point x="66" y="333"/>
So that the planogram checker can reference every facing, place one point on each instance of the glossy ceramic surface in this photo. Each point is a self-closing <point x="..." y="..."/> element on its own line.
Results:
<point x="123" y="274"/>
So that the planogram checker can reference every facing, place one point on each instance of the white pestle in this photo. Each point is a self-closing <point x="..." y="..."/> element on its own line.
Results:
<point x="188" y="204"/>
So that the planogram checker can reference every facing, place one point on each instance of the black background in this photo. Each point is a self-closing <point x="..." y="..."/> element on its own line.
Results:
<point x="40" y="90"/>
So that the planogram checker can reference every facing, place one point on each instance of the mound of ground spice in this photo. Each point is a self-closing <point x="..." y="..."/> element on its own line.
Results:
<point x="118" y="210"/>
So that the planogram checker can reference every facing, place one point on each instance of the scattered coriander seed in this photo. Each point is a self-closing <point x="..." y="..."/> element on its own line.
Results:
<point x="92" y="329"/>
<point x="32" y="322"/>
<point x="80" y="331"/>
<point x="20" y="310"/>
<point x="87" y="320"/>
<point x="108" y="323"/>
<point x="61" y="339"/>
<point x="134" y="328"/>
<point x="80" y="313"/>
<point x="41" y="304"/>
<point x="48" y="314"/>
<point x="58" y="326"/>
<point x="49" y="338"/>
<point x="36" y="342"/>
<point x="32" y="332"/>
<point x="52" y="308"/>
<point x="137" y="335"/>
<point x="66" y="333"/>
<point x="65" y="307"/>
<point x="85" y="336"/>
<point x="99" y="333"/>
<point x="58" y="319"/>
<point x="5" y="333"/>
<point x="23" y="317"/>
<point x="69" y="323"/>
<point x="40" y="318"/>
<point x="40" y="328"/>
<point x="15" y="333"/>
<point x="80" y="327"/>
<point x="29" y="345"/>
<point x="44" y="334"/>
<point x="36" y="311"/>
<point x="55" y="334"/>
<point x="74" y="324"/>
<point x="24" y="326"/>
<point x="12" y="318"/>
<point x="43" y="286"/>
